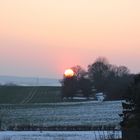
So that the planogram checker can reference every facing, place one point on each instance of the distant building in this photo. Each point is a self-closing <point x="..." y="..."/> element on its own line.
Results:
<point x="100" y="96"/>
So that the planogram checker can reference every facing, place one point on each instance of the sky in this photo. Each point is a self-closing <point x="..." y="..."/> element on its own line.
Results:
<point x="42" y="38"/>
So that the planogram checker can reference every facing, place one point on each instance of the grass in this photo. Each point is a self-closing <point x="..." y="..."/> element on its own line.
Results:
<point x="17" y="94"/>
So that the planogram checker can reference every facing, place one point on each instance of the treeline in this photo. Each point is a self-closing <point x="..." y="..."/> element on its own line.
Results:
<point x="101" y="76"/>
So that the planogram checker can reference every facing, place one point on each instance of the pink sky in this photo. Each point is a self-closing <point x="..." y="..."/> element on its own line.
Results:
<point x="44" y="37"/>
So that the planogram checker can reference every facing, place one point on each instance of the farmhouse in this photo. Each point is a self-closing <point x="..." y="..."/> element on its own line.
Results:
<point x="100" y="96"/>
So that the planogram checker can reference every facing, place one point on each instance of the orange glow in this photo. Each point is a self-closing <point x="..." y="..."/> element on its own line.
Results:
<point x="43" y="37"/>
<point x="69" y="73"/>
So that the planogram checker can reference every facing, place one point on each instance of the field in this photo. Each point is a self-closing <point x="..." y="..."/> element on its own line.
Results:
<point x="41" y="107"/>
<point x="29" y="94"/>
<point x="51" y="135"/>
<point x="90" y="113"/>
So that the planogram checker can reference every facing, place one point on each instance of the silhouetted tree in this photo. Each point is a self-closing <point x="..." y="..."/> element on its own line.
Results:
<point x="131" y="111"/>
<point x="104" y="77"/>
<point x="119" y="79"/>
<point x="98" y="73"/>
<point x="122" y="71"/>
<point x="78" y="82"/>
<point x="79" y="72"/>
<point x="109" y="78"/>
<point x="69" y="87"/>
<point x="85" y="86"/>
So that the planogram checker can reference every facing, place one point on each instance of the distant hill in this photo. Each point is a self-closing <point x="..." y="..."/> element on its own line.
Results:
<point x="28" y="81"/>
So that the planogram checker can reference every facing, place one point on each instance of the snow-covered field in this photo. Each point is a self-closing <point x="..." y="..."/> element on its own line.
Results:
<point x="61" y="135"/>
<point x="63" y="114"/>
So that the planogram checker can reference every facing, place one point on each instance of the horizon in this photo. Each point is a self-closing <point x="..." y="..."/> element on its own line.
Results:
<point x="43" y="38"/>
<point x="18" y="76"/>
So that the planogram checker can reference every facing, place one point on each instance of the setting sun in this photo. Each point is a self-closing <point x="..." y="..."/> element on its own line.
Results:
<point x="69" y="73"/>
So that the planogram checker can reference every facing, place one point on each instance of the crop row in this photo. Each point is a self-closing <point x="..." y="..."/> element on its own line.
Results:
<point x="22" y="95"/>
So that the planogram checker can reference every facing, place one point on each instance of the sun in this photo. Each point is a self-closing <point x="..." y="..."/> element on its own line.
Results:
<point x="69" y="73"/>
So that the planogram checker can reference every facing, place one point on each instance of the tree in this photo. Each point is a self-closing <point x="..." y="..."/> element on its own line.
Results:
<point x="119" y="79"/>
<point x="131" y="111"/>
<point x="78" y="82"/>
<point x="79" y="71"/>
<point x="85" y="86"/>
<point x="69" y="87"/>
<point x="98" y="73"/>
<point x="103" y="76"/>
<point x="110" y="79"/>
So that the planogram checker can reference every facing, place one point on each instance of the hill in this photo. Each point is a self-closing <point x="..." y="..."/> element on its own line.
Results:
<point x="28" y="81"/>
